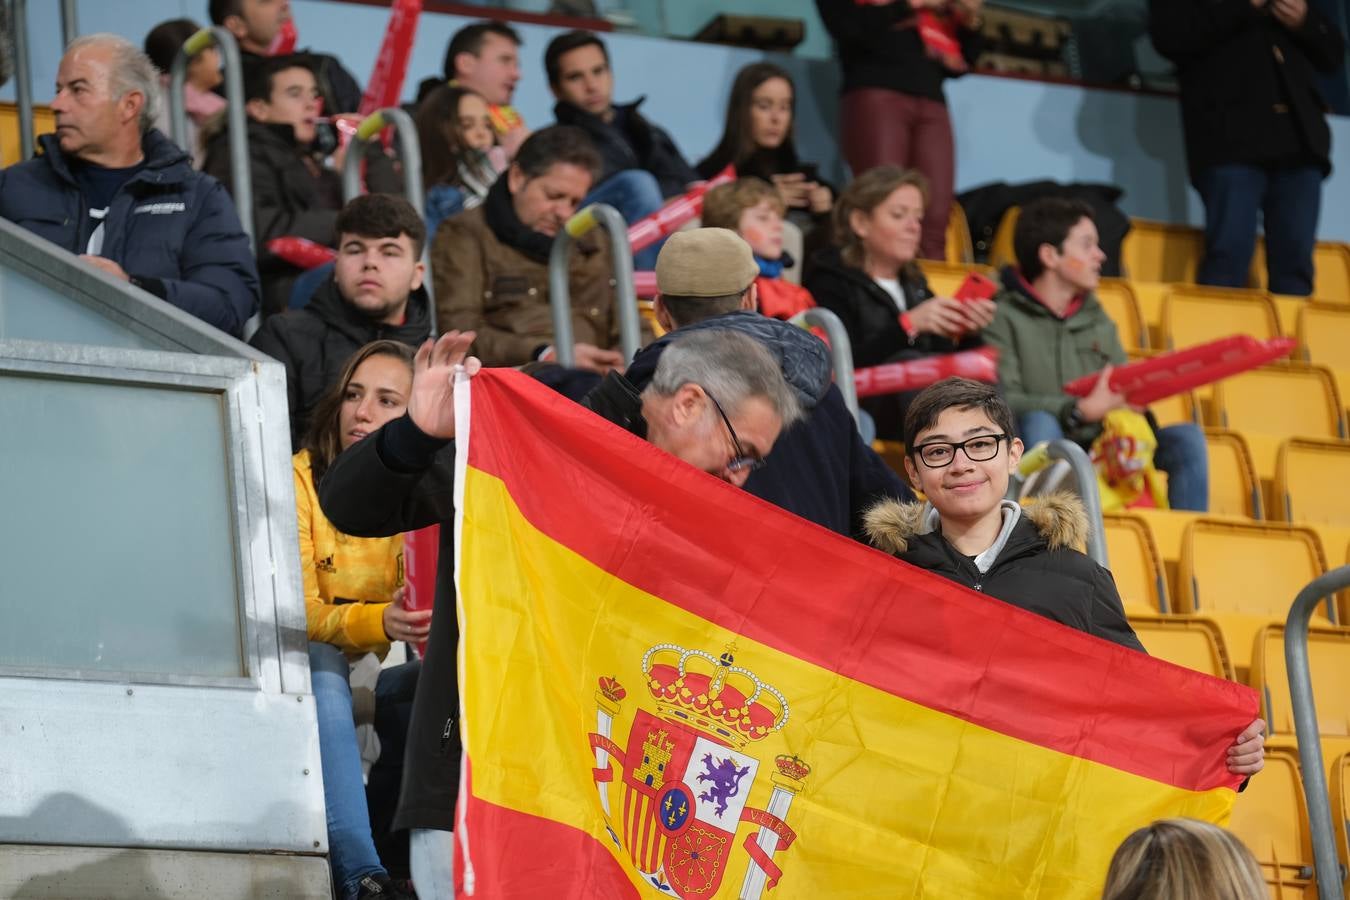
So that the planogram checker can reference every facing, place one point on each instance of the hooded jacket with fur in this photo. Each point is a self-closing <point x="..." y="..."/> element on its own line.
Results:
<point x="1037" y="569"/>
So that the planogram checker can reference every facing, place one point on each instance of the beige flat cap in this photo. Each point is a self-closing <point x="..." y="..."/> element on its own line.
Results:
<point x="705" y="262"/>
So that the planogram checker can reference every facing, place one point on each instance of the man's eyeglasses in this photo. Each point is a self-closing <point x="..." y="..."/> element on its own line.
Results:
<point x="741" y="460"/>
<point x="981" y="448"/>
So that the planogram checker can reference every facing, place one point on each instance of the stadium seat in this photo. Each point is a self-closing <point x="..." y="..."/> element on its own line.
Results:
<point x="1245" y="575"/>
<point x="1155" y="251"/>
<point x="648" y="313"/>
<point x="1323" y="332"/>
<point x="945" y="278"/>
<point x="1193" y="315"/>
<point x="960" y="247"/>
<point x="1290" y="399"/>
<point x="1001" y="248"/>
<point x="1331" y="281"/>
<point x="1312" y="482"/>
<point x="1135" y="564"/>
<point x="1271" y="818"/>
<point x="1149" y="295"/>
<point x="1191" y="641"/>
<point x="1329" y="662"/>
<point x="1234" y="489"/>
<point x="1118" y="298"/>
<point x="1339" y="783"/>
<point x="44" y="122"/>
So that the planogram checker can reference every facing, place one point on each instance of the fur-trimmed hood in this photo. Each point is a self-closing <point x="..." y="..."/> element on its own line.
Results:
<point x="1059" y="518"/>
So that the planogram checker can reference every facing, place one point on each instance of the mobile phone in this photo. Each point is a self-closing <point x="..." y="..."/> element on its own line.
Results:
<point x="810" y="171"/>
<point x="975" y="287"/>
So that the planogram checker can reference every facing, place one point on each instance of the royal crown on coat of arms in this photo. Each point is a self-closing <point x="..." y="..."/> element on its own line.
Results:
<point x="686" y="781"/>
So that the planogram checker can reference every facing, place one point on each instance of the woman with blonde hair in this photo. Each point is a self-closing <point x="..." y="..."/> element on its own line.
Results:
<point x="1183" y="859"/>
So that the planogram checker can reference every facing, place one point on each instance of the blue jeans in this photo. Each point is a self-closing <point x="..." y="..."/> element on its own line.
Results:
<point x="1288" y="201"/>
<point x="634" y="193"/>
<point x="351" y="849"/>
<point x="1181" y="454"/>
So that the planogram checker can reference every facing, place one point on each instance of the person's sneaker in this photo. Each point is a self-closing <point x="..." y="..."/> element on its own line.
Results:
<point x="381" y="887"/>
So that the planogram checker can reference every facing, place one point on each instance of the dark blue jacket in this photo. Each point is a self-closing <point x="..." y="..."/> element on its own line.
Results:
<point x="170" y="227"/>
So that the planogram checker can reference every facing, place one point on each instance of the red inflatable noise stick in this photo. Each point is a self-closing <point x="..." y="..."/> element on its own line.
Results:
<point x="1167" y="374"/>
<point x="284" y="42"/>
<point x="892" y="378"/>
<point x="421" y="554"/>
<point x="668" y="219"/>
<point x="301" y="252"/>
<point x="644" y="284"/>
<point x="391" y="65"/>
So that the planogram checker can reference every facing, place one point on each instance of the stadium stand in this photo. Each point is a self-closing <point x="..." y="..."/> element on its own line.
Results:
<point x="1117" y="297"/>
<point x="1234" y="489"/>
<point x="1193" y="314"/>
<point x="1158" y="252"/>
<point x="1272" y="821"/>
<point x="1194" y="642"/>
<point x="1136" y="565"/>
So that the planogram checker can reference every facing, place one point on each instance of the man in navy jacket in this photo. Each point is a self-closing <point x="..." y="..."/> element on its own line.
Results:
<point x="109" y="187"/>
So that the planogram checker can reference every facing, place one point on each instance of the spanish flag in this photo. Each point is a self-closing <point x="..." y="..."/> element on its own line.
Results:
<point x="672" y="688"/>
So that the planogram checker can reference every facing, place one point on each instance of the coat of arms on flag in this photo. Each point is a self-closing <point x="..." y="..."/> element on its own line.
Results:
<point x="686" y="775"/>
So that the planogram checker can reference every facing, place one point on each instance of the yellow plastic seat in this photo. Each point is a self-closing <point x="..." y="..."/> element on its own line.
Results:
<point x="1323" y="332"/>
<point x="1339" y="783"/>
<point x="1234" y="489"/>
<point x="1312" y="482"/>
<point x="944" y="278"/>
<point x="1191" y="641"/>
<point x="1157" y="251"/>
<point x="1245" y="575"/>
<point x="44" y="121"/>
<point x="1149" y="295"/>
<point x="1331" y="267"/>
<point x="1117" y="297"/>
<point x="1135" y="564"/>
<point x="1329" y="663"/>
<point x="960" y="247"/>
<point x="1271" y="818"/>
<point x="1288" y="399"/>
<point x="1001" y="251"/>
<point x="1193" y="315"/>
<point x="1288" y="309"/>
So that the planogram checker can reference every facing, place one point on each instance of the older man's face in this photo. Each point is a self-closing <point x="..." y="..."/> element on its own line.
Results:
<point x="688" y="426"/>
<point x="89" y="117"/>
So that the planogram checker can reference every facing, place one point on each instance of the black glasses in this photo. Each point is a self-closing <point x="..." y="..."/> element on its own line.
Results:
<point x="741" y="460"/>
<point x="980" y="448"/>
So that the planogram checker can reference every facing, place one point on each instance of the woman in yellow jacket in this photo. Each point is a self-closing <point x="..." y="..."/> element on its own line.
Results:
<point x="354" y="606"/>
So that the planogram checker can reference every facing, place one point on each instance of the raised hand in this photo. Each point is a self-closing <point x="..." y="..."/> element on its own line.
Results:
<point x="431" y="405"/>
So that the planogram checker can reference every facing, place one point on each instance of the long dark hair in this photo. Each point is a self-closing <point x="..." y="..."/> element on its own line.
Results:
<point x="443" y="149"/>
<point x="323" y="440"/>
<point x="737" y="146"/>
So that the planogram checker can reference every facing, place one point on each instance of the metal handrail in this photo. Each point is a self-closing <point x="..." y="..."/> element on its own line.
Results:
<point x="241" y="176"/>
<point x="70" y="27"/>
<point x="559" y="289"/>
<point x="841" y="351"/>
<point x="410" y="152"/>
<point x="23" y="77"/>
<point x="1325" y="862"/>
<point x="1080" y="464"/>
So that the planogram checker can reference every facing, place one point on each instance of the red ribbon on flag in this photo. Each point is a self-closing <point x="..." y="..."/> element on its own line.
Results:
<point x="891" y="378"/>
<point x="391" y="65"/>
<point x="668" y="219"/>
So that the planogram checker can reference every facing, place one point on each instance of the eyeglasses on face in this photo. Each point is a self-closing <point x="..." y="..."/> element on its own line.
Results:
<point x="981" y="448"/>
<point x="741" y="459"/>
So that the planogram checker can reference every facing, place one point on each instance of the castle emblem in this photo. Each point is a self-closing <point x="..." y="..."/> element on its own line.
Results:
<point x="685" y="779"/>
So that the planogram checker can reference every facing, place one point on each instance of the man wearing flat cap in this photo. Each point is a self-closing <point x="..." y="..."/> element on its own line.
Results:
<point x="820" y="469"/>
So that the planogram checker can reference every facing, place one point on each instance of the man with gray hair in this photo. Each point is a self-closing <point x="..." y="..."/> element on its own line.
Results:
<point x="112" y="189"/>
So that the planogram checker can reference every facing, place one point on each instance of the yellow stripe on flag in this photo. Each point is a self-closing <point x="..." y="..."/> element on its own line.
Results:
<point x="901" y="800"/>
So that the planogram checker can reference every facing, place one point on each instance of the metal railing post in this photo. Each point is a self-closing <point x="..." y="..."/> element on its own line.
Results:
<point x="241" y="176"/>
<point x="410" y="152"/>
<point x="70" y="27"/>
<point x="1086" y="475"/>
<point x="23" y="77"/>
<point x="841" y="351"/>
<point x="559" y="288"/>
<point x="1326" y="865"/>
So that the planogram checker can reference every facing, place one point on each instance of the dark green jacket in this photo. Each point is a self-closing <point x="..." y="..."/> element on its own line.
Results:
<point x="1039" y="352"/>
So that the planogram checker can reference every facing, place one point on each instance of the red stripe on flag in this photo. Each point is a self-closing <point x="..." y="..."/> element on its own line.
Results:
<point x="530" y="857"/>
<point x="737" y="561"/>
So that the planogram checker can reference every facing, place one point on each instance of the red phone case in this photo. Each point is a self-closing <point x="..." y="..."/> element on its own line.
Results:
<point x="975" y="287"/>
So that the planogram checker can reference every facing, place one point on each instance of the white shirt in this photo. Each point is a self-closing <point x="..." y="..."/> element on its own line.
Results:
<point x="892" y="287"/>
